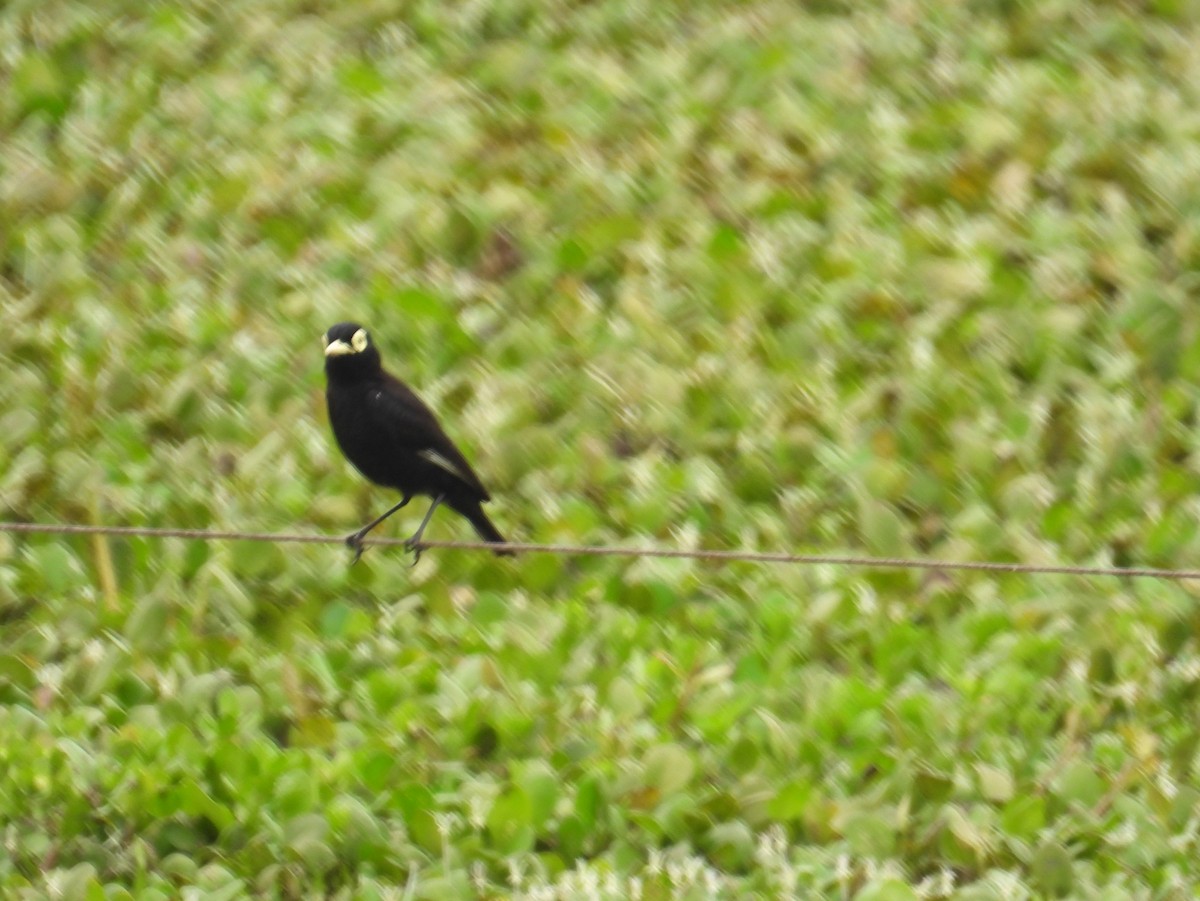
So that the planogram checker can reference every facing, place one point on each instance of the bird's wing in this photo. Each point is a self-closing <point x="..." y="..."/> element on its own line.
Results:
<point x="410" y="424"/>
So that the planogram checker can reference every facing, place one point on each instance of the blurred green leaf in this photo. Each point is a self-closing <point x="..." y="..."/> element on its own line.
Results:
<point x="510" y="822"/>
<point x="887" y="890"/>
<point x="668" y="768"/>
<point x="1052" y="870"/>
<point x="995" y="784"/>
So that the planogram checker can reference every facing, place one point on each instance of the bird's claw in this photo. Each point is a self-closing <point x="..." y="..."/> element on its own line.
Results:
<point x="355" y="543"/>
<point x="414" y="545"/>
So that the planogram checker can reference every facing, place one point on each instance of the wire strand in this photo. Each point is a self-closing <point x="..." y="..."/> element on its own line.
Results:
<point x="591" y="550"/>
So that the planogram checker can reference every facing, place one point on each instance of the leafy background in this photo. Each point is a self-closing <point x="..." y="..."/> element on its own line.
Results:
<point x="897" y="278"/>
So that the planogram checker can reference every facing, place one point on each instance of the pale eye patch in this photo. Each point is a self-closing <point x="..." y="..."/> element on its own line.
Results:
<point x="441" y="462"/>
<point x="359" y="341"/>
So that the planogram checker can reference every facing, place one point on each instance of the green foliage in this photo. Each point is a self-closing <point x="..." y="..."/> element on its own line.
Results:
<point x="874" y="278"/>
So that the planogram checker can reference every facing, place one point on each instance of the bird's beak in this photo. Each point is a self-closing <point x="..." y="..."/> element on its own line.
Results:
<point x="338" y="349"/>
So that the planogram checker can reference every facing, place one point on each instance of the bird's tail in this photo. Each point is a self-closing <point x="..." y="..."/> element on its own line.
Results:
<point x="487" y="531"/>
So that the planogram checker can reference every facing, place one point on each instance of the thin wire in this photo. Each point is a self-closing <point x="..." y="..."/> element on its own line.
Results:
<point x="592" y="550"/>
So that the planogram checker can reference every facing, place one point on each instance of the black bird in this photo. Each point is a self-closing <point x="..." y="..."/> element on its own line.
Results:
<point x="393" y="439"/>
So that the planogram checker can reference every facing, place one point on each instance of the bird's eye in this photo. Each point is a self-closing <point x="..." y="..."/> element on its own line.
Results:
<point x="359" y="341"/>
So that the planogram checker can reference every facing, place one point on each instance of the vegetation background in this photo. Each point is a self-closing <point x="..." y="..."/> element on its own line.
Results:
<point x="908" y="277"/>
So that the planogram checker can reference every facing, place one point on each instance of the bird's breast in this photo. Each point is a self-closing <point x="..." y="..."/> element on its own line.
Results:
<point x="367" y="443"/>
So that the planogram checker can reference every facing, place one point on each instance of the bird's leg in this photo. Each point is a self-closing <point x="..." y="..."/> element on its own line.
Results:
<point x="414" y="543"/>
<point x="355" y="541"/>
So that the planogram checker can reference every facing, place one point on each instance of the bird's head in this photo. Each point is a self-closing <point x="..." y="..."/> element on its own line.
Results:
<point x="349" y="351"/>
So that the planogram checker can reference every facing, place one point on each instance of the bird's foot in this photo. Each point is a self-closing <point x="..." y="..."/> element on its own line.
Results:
<point x="355" y="543"/>
<point x="414" y="544"/>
